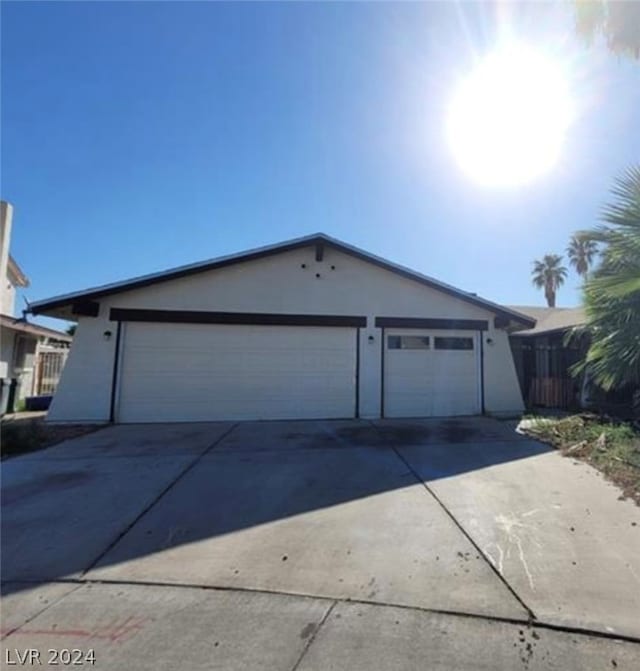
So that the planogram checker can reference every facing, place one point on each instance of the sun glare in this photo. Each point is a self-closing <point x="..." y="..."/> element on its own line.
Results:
<point x="508" y="119"/>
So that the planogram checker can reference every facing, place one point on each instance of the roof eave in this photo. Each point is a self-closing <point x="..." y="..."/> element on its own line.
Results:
<point x="41" y="307"/>
<point x="53" y="304"/>
<point x="22" y="326"/>
<point x="551" y="331"/>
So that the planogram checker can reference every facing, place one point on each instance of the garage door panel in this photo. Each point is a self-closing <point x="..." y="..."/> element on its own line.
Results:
<point x="426" y="381"/>
<point x="188" y="372"/>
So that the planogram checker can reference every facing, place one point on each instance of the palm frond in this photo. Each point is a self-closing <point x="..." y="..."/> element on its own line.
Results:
<point x="612" y="293"/>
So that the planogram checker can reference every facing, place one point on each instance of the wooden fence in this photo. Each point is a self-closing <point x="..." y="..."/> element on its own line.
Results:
<point x="552" y="392"/>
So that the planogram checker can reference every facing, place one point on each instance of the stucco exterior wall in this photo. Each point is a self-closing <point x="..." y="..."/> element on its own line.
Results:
<point x="8" y="298"/>
<point x="6" y="218"/>
<point x="7" y="340"/>
<point x="500" y="377"/>
<point x="84" y="390"/>
<point x="345" y="286"/>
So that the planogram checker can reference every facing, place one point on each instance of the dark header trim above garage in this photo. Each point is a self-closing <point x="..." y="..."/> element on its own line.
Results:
<point x="245" y="318"/>
<point x="442" y="324"/>
<point x="86" y="309"/>
<point x="322" y="244"/>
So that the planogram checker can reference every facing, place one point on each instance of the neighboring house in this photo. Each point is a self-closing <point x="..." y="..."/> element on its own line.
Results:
<point x="31" y="356"/>
<point x="543" y="357"/>
<point x="309" y="328"/>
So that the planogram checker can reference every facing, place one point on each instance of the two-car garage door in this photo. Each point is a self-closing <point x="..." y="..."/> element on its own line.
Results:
<point x="200" y="372"/>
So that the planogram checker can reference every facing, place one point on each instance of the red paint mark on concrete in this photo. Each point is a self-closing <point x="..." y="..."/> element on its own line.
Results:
<point x="116" y="631"/>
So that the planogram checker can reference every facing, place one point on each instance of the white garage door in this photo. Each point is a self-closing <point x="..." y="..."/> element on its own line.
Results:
<point x="431" y="373"/>
<point x="193" y="372"/>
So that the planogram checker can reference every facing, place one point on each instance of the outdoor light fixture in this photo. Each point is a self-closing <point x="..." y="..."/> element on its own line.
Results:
<point x="371" y="338"/>
<point x="107" y="335"/>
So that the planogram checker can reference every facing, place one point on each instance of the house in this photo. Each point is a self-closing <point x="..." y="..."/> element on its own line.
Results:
<point x="308" y="328"/>
<point x="543" y="356"/>
<point x="31" y="356"/>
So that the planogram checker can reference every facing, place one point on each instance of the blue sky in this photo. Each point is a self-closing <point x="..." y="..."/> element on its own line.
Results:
<point x="141" y="136"/>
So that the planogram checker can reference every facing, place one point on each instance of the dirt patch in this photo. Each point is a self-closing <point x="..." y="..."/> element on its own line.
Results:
<point x="610" y="446"/>
<point x="22" y="435"/>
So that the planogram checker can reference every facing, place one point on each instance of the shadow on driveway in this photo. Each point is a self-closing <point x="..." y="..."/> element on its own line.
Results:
<point x="130" y="492"/>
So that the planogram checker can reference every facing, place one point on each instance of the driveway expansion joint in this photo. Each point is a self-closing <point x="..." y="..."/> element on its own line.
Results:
<point x="52" y="602"/>
<point x="167" y="489"/>
<point x="313" y="636"/>
<point x="531" y="615"/>
<point x="522" y="622"/>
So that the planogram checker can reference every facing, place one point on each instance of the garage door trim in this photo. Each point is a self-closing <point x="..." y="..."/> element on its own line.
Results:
<point x="237" y="318"/>
<point x="114" y="374"/>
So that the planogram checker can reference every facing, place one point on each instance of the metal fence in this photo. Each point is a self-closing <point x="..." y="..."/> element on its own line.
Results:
<point x="48" y="368"/>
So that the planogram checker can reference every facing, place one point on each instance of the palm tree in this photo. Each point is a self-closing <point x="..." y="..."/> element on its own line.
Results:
<point x="612" y="293"/>
<point x="549" y="274"/>
<point x="581" y="252"/>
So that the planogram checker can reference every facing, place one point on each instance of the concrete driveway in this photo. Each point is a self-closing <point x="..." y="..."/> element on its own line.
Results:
<point x="352" y="545"/>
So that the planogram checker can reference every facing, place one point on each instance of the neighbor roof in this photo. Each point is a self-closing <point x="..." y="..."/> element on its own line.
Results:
<point x="40" y="307"/>
<point x="23" y="326"/>
<point x="549" y="320"/>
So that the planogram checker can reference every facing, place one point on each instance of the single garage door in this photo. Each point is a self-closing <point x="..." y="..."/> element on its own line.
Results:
<point x="431" y="373"/>
<point x="195" y="372"/>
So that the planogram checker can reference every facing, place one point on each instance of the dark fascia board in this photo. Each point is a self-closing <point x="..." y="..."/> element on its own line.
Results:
<point x="561" y="329"/>
<point x="441" y="324"/>
<point x="244" y="318"/>
<point x="317" y="239"/>
<point x="86" y="309"/>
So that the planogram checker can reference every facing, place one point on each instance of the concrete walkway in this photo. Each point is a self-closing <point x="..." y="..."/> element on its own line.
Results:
<point x="316" y="545"/>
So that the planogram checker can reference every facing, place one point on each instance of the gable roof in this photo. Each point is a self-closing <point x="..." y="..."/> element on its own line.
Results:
<point x="549" y="320"/>
<point x="317" y="239"/>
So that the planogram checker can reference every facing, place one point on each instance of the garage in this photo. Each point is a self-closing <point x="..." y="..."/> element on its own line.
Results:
<point x="204" y="372"/>
<point x="431" y="373"/>
<point x="311" y="328"/>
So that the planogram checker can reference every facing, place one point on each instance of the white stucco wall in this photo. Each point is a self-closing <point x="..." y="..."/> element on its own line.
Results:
<point x="8" y="298"/>
<point x="7" y="340"/>
<point x="84" y="391"/>
<point x="6" y="218"/>
<point x="279" y="284"/>
<point x="500" y="378"/>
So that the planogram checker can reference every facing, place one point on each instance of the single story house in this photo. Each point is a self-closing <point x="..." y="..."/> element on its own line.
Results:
<point x="543" y="357"/>
<point x="308" y="328"/>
